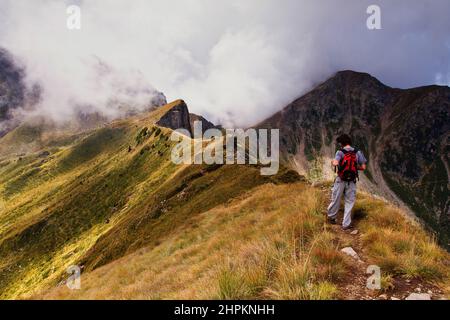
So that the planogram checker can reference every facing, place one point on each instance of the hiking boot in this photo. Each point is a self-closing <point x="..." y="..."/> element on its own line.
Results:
<point x="347" y="228"/>
<point x="332" y="220"/>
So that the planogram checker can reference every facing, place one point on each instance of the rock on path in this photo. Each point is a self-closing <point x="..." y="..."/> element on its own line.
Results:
<point x="419" y="296"/>
<point x="352" y="253"/>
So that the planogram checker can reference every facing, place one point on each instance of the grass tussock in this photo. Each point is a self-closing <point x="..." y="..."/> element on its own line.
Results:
<point x="398" y="245"/>
<point x="387" y="282"/>
<point x="298" y="262"/>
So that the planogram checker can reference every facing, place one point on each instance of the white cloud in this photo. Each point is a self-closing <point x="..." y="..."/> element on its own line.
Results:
<point x="233" y="61"/>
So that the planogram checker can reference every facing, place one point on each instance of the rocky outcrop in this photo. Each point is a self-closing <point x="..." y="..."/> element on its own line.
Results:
<point x="405" y="134"/>
<point x="176" y="117"/>
<point x="205" y="123"/>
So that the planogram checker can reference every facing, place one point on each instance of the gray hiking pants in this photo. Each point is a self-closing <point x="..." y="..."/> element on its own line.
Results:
<point x="349" y="191"/>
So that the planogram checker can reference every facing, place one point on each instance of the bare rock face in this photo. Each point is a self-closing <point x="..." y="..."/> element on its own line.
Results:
<point x="404" y="133"/>
<point x="177" y="117"/>
<point x="205" y="123"/>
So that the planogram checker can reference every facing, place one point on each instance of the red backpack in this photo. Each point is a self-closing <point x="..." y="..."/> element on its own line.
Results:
<point x="348" y="166"/>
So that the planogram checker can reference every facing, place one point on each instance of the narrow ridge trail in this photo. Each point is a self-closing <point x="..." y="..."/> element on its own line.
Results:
<point x="354" y="285"/>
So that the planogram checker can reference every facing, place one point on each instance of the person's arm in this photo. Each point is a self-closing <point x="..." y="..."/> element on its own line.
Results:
<point x="361" y="161"/>
<point x="337" y="158"/>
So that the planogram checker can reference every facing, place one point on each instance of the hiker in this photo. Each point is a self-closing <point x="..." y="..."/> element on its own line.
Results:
<point x="348" y="161"/>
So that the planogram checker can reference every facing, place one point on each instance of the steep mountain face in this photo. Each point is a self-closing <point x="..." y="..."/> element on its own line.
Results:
<point x="405" y="134"/>
<point x="177" y="117"/>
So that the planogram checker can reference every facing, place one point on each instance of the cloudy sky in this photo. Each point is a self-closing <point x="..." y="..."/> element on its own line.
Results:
<point x="235" y="61"/>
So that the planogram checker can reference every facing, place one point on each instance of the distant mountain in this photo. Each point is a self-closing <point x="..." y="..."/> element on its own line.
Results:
<point x="12" y="88"/>
<point x="405" y="134"/>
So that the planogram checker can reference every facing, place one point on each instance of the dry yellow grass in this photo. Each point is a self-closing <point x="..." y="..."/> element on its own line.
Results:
<point x="400" y="246"/>
<point x="272" y="243"/>
<point x="261" y="245"/>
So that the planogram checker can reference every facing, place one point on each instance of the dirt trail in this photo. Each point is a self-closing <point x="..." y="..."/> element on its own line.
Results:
<point x="354" y="286"/>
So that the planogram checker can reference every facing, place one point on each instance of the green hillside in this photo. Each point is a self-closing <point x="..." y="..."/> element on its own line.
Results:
<point x="111" y="201"/>
<point x="98" y="198"/>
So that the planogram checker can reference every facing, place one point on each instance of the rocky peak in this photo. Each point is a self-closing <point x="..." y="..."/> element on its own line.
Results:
<point x="355" y="78"/>
<point x="176" y="116"/>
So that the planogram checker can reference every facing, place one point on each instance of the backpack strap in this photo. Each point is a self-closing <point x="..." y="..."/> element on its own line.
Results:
<point x="340" y="161"/>
<point x="356" y="150"/>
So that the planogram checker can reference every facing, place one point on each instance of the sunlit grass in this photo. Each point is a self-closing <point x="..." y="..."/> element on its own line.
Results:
<point x="269" y="244"/>
<point x="251" y="248"/>
<point x="399" y="245"/>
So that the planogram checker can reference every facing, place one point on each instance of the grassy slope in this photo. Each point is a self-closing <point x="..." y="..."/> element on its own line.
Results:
<point x="94" y="200"/>
<point x="269" y="243"/>
<point x="54" y="208"/>
<point x="145" y="228"/>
